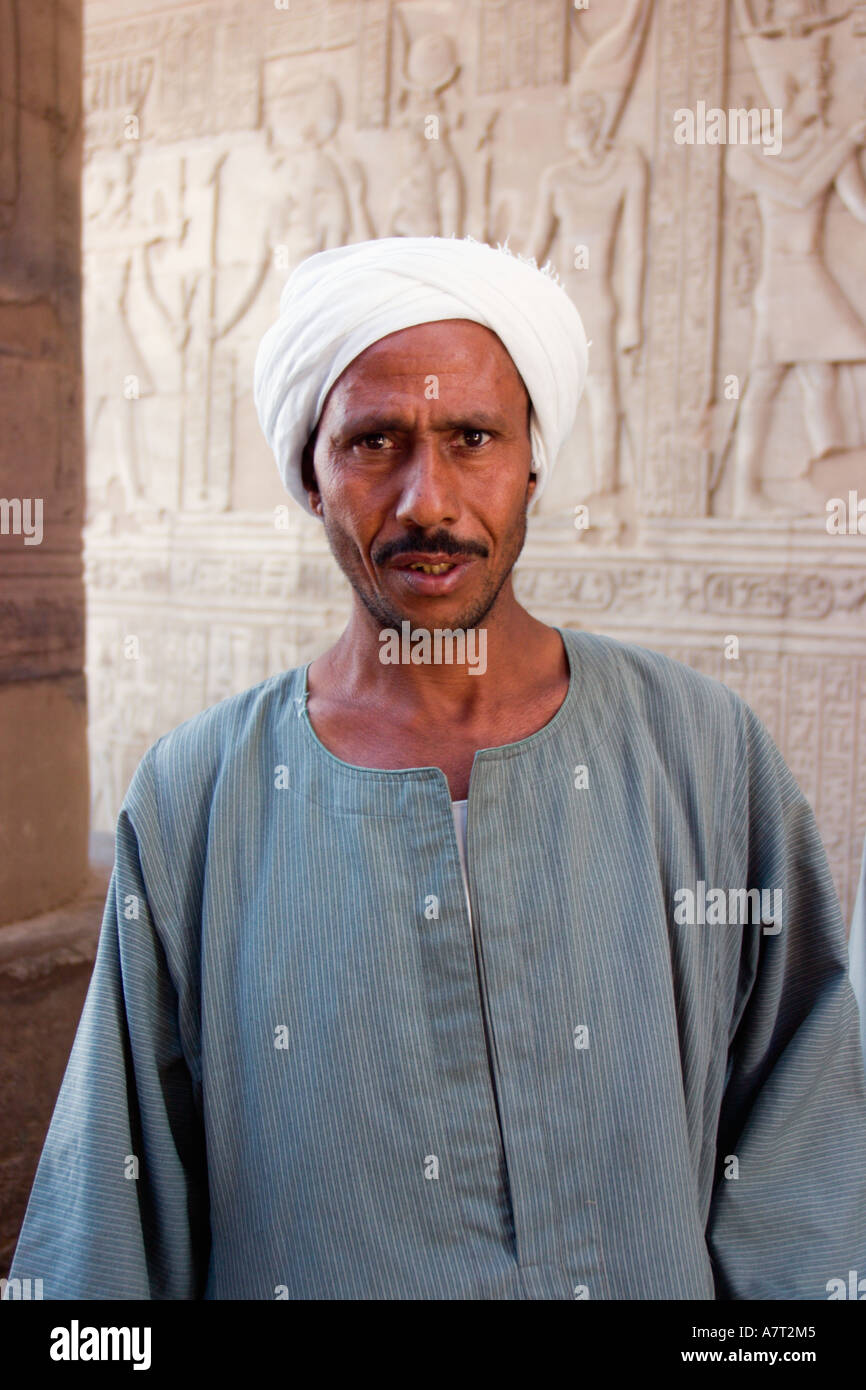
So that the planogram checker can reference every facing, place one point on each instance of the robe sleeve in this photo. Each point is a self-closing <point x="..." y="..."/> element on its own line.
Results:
<point x="119" y="1206"/>
<point x="793" y="1115"/>
<point x="857" y="952"/>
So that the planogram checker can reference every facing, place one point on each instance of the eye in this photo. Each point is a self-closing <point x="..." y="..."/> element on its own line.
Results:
<point x="374" y="442"/>
<point x="475" y="438"/>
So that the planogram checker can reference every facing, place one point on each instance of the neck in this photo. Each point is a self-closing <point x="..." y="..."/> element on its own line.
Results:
<point x="483" y="676"/>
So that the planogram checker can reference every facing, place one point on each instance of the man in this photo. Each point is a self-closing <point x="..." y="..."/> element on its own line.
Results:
<point x="857" y="951"/>
<point x="317" y="1060"/>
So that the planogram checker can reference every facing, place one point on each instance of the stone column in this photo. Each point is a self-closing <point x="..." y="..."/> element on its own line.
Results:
<point x="50" y="898"/>
<point x="44" y="782"/>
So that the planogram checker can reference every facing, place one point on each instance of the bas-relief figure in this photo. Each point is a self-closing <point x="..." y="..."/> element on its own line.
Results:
<point x="296" y="197"/>
<point x="194" y="287"/>
<point x="588" y="199"/>
<point x="583" y="204"/>
<point x="116" y="372"/>
<point x="302" y="193"/>
<point x="284" y="200"/>
<point x="213" y="277"/>
<point x="261" y="209"/>
<point x="802" y="317"/>
<point x="429" y="197"/>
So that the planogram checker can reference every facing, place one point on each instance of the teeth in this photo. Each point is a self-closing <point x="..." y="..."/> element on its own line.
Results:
<point x="432" y="569"/>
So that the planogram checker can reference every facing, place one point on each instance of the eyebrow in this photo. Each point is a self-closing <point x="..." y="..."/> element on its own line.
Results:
<point x="376" y="424"/>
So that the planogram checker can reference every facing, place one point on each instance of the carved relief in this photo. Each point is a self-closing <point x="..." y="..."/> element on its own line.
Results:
<point x="523" y="43"/>
<point x="584" y="203"/>
<point x="115" y="91"/>
<point x="429" y="197"/>
<point x="115" y="369"/>
<point x="684" y="234"/>
<point x="337" y="120"/>
<point x="802" y="317"/>
<point x="590" y="198"/>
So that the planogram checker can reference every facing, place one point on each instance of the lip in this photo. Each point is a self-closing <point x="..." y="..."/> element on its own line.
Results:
<point x="431" y="584"/>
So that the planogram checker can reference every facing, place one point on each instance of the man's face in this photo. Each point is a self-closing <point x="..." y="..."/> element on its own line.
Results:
<point x="423" y="447"/>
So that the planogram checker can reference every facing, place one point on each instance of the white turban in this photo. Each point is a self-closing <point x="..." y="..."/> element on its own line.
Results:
<point x="338" y="302"/>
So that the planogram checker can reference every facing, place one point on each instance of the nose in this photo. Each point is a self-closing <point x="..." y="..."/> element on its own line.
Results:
<point x="428" y="486"/>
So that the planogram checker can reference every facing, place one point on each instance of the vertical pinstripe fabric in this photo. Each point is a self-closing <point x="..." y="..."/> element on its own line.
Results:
<point x="857" y="951"/>
<point x="332" y="1092"/>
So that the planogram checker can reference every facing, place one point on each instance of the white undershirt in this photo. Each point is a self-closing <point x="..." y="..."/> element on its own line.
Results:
<point x="458" y="810"/>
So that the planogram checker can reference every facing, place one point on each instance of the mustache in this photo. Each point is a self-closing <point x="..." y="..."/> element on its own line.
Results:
<point x="429" y="545"/>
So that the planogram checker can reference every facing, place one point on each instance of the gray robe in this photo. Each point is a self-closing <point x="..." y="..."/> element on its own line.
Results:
<point x="297" y="1076"/>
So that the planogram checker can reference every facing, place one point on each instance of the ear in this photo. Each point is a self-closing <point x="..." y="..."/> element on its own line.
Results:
<point x="308" y="475"/>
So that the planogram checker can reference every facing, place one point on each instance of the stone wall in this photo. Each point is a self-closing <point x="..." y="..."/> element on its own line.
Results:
<point x="43" y="720"/>
<point x="721" y="285"/>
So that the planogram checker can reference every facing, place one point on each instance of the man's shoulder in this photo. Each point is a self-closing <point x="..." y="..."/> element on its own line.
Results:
<point x="630" y="678"/>
<point x="231" y="732"/>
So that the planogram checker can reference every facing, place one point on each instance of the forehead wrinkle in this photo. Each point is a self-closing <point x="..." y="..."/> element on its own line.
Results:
<point x="475" y="416"/>
<point x="384" y="391"/>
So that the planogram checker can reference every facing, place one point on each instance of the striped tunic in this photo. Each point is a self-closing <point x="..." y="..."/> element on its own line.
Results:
<point x="299" y="1074"/>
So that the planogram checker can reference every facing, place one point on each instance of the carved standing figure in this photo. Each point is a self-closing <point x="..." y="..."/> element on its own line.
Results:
<point x="802" y="317"/>
<point x="429" y="197"/>
<point x="592" y="202"/>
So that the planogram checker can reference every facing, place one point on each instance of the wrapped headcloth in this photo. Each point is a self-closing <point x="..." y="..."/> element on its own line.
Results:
<point x="338" y="302"/>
